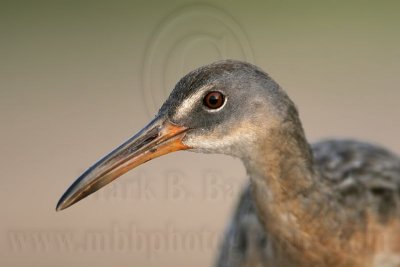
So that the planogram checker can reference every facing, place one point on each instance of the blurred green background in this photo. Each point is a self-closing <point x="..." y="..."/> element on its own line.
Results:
<point x="79" y="77"/>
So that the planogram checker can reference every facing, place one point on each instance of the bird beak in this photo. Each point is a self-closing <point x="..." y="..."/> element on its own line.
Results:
<point x="158" y="138"/>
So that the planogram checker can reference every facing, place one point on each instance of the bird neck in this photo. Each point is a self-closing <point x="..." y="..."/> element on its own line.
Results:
<point x="293" y="204"/>
<point x="285" y="186"/>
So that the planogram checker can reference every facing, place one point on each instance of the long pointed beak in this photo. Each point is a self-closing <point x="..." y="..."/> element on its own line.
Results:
<point x="158" y="138"/>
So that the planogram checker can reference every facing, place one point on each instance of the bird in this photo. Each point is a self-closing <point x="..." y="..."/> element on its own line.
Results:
<point x="334" y="203"/>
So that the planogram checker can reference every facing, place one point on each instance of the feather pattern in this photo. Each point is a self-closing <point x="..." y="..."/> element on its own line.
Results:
<point x="364" y="178"/>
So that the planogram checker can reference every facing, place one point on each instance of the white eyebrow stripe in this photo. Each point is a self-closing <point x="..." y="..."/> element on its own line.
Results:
<point x="185" y="107"/>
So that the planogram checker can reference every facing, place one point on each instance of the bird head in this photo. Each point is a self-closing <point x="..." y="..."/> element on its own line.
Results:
<point x="226" y="107"/>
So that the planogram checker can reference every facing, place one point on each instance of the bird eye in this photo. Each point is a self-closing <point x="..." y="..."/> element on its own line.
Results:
<point x="214" y="100"/>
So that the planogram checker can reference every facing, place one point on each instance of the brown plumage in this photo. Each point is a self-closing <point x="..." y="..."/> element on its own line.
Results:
<point x="334" y="204"/>
<point x="363" y="183"/>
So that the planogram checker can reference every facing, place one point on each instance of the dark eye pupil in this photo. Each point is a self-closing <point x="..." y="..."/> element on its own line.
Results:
<point x="214" y="100"/>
